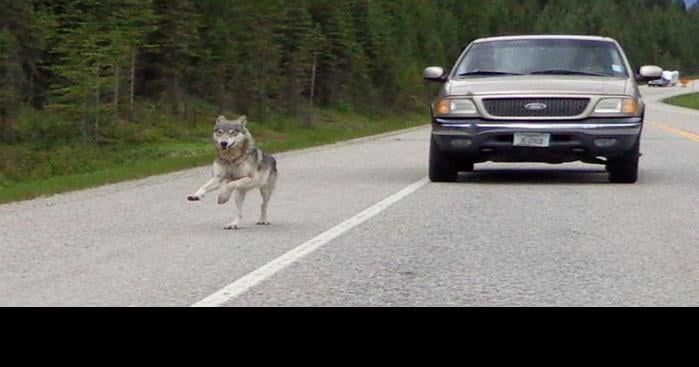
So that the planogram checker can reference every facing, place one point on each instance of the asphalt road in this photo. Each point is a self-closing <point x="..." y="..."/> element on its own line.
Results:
<point x="506" y="235"/>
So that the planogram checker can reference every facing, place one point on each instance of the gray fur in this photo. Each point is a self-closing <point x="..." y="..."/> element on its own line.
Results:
<point x="239" y="167"/>
<point x="268" y="162"/>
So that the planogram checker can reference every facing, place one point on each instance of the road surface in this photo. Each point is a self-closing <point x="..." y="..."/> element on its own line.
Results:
<point x="357" y="224"/>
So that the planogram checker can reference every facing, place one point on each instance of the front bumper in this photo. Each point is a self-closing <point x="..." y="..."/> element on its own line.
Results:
<point x="484" y="140"/>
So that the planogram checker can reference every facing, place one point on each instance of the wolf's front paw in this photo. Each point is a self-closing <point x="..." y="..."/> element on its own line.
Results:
<point x="194" y="197"/>
<point x="263" y="223"/>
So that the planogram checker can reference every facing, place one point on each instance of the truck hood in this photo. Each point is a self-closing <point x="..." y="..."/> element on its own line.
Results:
<point x="538" y="84"/>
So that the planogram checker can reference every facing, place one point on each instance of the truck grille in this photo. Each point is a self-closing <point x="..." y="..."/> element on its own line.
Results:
<point x="536" y="107"/>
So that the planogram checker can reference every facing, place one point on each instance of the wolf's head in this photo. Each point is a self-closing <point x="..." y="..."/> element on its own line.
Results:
<point x="230" y="134"/>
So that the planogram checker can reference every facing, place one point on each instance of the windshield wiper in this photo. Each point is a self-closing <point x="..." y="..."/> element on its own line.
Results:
<point x="565" y="72"/>
<point x="488" y="72"/>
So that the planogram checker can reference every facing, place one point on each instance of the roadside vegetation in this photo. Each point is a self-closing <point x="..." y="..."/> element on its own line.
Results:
<point x="47" y="166"/>
<point x="687" y="100"/>
<point x="97" y="91"/>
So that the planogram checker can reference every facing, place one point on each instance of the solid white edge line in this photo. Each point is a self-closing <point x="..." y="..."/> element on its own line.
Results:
<point x="249" y="281"/>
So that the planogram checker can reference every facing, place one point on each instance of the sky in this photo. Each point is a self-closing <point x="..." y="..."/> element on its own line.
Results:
<point x="690" y="2"/>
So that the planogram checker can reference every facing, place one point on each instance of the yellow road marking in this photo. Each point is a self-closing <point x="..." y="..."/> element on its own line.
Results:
<point x="673" y="130"/>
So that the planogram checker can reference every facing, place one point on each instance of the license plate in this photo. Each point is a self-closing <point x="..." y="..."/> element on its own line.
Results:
<point x="532" y="140"/>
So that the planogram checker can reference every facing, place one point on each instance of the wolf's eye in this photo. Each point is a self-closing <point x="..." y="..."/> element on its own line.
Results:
<point x="233" y="132"/>
<point x="219" y="132"/>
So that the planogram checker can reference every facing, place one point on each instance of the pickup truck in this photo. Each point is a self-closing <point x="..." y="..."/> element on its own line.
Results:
<point x="550" y="99"/>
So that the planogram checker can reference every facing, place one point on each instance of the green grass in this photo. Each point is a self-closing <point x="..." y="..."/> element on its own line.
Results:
<point x="104" y="165"/>
<point x="687" y="100"/>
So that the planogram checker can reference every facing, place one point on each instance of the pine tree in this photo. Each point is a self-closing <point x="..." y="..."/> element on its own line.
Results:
<point x="343" y="63"/>
<point x="86" y="51"/>
<point x="214" y="79"/>
<point x="132" y="21"/>
<point x="10" y="79"/>
<point x="25" y="34"/>
<point x="172" y="59"/>
<point x="302" y="44"/>
<point x="257" y="56"/>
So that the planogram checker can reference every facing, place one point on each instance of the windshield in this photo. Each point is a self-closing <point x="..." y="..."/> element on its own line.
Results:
<point x="543" y="56"/>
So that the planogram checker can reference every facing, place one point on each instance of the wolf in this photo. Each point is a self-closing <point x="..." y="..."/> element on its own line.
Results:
<point x="238" y="168"/>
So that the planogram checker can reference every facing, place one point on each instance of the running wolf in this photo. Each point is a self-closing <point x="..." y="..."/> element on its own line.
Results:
<point x="239" y="167"/>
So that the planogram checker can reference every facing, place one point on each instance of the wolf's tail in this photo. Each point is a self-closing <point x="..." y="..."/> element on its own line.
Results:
<point x="273" y="163"/>
<point x="269" y="161"/>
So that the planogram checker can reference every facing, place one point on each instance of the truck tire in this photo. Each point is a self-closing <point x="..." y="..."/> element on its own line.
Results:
<point x="624" y="169"/>
<point x="443" y="166"/>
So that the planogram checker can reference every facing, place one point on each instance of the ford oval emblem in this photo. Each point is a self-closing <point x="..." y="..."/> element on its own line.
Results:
<point x="535" y="106"/>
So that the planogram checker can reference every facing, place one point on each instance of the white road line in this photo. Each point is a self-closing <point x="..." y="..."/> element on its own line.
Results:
<point x="249" y="281"/>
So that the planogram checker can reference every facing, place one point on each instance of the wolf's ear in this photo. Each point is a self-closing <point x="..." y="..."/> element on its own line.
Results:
<point x="221" y="119"/>
<point x="243" y="120"/>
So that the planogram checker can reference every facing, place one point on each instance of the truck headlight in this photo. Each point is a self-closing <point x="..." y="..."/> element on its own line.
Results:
<point x="456" y="107"/>
<point x="617" y="106"/>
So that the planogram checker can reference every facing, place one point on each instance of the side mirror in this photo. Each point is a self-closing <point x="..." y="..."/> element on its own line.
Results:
<point x="650" y="71"/>
<point x="434" y="74"/>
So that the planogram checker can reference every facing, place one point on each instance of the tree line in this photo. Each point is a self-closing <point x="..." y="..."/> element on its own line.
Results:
<point x="92" y="62"/>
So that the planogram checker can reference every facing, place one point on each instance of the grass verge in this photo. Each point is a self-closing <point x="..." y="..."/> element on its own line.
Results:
<point x="687" y="100"/>
<point x="129" y="162"/>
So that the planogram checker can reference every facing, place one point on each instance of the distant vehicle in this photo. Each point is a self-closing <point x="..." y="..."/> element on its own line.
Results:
<point x="550" y="99"/>
<point x="667" y="79"/>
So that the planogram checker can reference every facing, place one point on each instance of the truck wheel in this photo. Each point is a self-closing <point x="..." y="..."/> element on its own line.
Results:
<point x="443" y="167"/>
<point x="624" y="169"/>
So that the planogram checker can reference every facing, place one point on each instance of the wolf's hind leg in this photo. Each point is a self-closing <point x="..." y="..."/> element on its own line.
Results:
<point x="239" y="199"/>
<point x="266" y="192"/>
